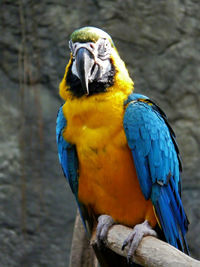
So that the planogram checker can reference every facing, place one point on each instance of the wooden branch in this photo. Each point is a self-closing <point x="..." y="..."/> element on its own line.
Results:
<point x="151" y="252"/>
<point x="82" y="254"/>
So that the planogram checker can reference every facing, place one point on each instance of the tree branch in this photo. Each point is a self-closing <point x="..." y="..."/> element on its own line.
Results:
<point x="151" y="252"/>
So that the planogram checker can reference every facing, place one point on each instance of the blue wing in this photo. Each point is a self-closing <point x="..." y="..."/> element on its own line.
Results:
<point x="67" y="154"/>
<point x="69" y="161"/>
<point x="157" y="162"/>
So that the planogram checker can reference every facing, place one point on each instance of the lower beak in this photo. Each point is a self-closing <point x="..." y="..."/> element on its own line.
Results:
<point x="84" y="64"/>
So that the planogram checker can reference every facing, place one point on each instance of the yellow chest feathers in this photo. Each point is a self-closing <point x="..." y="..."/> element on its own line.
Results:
<point x="94" y="121"/>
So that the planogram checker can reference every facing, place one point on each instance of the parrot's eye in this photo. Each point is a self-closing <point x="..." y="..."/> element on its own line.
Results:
<point x="101" y="49"/>
<point x="104" y="48"/>
<point x="74" y="47"/>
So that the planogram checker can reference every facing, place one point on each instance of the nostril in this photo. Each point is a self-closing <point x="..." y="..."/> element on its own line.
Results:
<point x="92" y="46"/>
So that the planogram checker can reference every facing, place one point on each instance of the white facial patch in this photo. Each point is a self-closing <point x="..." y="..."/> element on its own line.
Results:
<point x="101" y="51"/>
<point x="74" y="71"/>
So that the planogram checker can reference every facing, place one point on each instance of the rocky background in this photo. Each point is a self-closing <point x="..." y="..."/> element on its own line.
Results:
<point x="160" y="43"/>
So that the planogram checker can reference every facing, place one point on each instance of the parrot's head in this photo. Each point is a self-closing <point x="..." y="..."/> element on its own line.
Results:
<point x="94" y="66"/>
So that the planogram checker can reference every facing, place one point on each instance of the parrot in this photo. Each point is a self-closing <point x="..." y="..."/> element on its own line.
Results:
<point x="117" y="148"/>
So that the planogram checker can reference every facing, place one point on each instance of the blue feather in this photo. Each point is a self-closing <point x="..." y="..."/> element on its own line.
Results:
<point x="66" y="153"/>
<point x="69" y="162"/>
<point x="155" y="153"/>
<point x="143" y="173"/>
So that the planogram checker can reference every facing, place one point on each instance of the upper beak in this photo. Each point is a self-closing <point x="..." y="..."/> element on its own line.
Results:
<point x="84" y="63"/>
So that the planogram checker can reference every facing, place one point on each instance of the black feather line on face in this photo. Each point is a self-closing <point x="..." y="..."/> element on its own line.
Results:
<point x="94" y="88"/>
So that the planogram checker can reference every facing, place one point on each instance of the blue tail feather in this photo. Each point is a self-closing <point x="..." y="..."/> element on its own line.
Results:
<point x="172" y="216"/>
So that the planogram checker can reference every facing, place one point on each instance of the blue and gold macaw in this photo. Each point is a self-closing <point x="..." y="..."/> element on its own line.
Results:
<point x="116" y="147"/>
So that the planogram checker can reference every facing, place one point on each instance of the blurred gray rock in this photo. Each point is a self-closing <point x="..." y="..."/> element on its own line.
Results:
<point x="159" y="41"/>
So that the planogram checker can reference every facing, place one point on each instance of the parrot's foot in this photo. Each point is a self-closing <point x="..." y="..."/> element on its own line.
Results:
<point x="104" y="224"/>
<point x="133" y="240"/>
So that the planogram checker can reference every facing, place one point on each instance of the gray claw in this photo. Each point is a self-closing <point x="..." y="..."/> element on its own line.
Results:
<point x="133" y="240"/>
<point x="104" y="224"/>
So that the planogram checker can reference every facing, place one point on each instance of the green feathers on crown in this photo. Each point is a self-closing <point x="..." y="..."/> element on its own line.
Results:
<point x="89" y="34"/>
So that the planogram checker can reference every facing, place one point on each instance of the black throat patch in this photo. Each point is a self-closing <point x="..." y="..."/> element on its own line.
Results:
<point x="94" y="88"/>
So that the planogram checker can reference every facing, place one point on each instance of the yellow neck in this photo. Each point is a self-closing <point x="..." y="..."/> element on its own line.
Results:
<point x="92" y="119"/>
<point x="122" y="81"/>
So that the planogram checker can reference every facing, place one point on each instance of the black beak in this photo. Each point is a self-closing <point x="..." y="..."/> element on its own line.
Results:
<point x="84" y="64"/>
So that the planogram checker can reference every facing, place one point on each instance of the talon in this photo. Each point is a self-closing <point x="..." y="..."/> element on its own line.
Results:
<point x="134" y="238"/>
<point x="104" y="224"/>
<point x="125" y="243"/>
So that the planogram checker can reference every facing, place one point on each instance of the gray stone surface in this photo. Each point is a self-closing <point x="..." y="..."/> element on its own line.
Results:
<point x="159" y="41"/>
